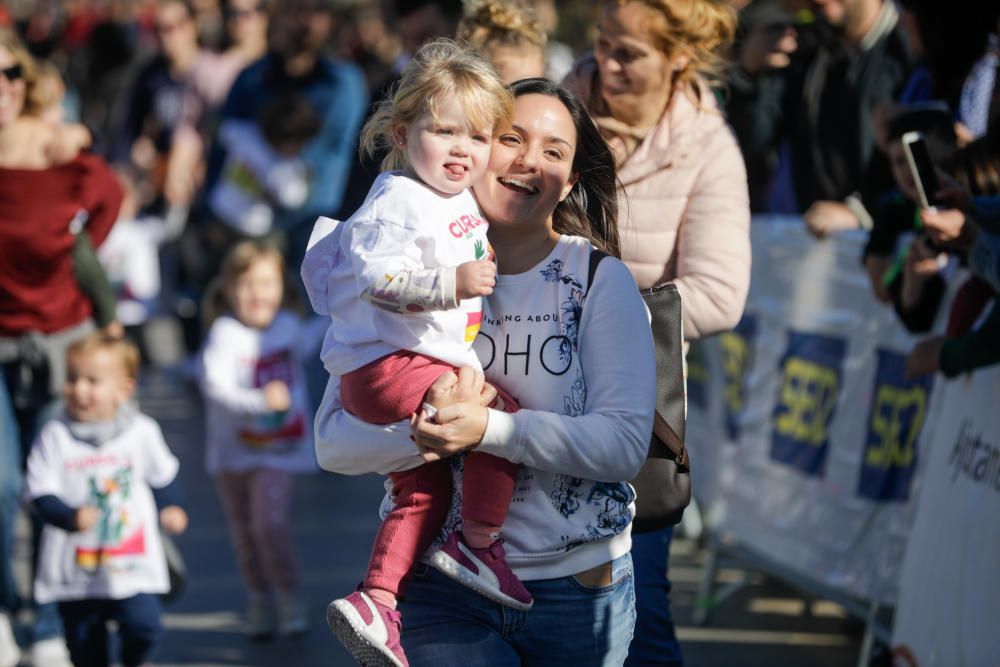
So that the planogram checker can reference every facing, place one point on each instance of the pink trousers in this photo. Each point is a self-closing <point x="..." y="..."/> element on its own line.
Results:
<point x="389" y="390"/>
<point x="256" y="504"/>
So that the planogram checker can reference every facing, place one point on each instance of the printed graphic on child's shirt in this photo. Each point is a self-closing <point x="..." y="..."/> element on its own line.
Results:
<point x="274" y="431"/>
<point x="117" y="535"/>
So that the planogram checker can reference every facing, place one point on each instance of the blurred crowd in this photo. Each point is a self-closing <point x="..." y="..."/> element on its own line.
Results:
<point x="146" y="139"/>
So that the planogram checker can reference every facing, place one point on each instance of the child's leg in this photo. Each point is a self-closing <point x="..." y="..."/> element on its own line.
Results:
<point x="234" y="490"/>
<point x="86" y="634"/>
<point x="270" y="494"/>
<point x="392" y="388"/>
<point x="139" y="627"/>
<point x="421" y="498"/>
<point x="487" y="489"/>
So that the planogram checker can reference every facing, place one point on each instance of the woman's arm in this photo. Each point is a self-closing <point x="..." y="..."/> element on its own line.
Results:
<point x="713" y="244"/>
<point x="610" y="440"/>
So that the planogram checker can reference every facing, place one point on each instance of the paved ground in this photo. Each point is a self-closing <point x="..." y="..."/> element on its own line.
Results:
<point x="765" y="624"/>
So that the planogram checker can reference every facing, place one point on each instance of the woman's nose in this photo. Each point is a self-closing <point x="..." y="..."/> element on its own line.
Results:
<point x="528" y="159"/>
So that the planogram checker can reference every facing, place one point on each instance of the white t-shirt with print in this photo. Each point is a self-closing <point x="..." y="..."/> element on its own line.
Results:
<point x="122" y="555"/>
<point x="404" y="231"/>
<point x="242" y="432"/>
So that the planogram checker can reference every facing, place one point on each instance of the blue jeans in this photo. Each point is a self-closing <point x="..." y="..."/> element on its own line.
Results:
<point x="139" y="628"/>
<point x="570" y="624"/>
<point x="655" y="643"/>
<point x="18" y="428"/>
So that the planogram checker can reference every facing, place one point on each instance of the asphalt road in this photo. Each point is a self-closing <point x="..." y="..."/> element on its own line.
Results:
<point x="334" y="517"/>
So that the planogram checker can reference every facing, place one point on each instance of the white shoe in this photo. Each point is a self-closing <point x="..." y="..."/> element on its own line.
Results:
<point x="293" y="620"/>
<point x="10" y="654"/>
<point x="50" y="653"/>
<point x="260" y="619"/>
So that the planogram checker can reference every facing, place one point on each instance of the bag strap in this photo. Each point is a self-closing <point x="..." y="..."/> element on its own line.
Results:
<point x="664" y="431"/>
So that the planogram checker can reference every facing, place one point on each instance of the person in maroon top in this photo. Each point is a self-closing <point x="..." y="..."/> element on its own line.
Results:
<point x="42" y="309"/>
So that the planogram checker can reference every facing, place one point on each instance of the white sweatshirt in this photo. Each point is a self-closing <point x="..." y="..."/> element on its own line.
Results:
<point x="590" y="385"/>
<point x="241" y="431"/>
<point x="121" y="555"/>
<point x="386" y="276"/>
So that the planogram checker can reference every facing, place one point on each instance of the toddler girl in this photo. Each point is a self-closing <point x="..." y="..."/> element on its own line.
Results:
<point x="256" y="430"/>
<point x="402" y="281"/>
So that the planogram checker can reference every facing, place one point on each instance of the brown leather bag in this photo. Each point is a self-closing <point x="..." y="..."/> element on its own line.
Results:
<point x="663" y="486"/>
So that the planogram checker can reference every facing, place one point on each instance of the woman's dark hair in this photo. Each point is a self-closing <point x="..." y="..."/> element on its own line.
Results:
<point x="591" y="208"/>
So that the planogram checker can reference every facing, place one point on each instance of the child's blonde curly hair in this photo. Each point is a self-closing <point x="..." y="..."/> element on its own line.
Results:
<point x="441" y="69"/>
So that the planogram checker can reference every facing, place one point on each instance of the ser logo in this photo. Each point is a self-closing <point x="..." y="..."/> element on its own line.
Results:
<point x="811" y="376"/>
<point x="897" y="415"/>
<point x="737" y="356"/>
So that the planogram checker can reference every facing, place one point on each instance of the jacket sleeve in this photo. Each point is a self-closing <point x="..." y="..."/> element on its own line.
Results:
<point x="609" y="441"/>
<point x="713" y="244"/>
<point x="103" y="197"/>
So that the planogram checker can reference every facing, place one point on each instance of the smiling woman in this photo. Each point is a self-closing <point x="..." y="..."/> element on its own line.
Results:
<point x="586" y="407"/>
<point x="683" y="195"/>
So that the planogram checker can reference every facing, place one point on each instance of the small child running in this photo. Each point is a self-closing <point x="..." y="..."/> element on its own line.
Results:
<point x="417" y="256"/>
<point x="257" y="439"/>
<point x="96" y="475"/>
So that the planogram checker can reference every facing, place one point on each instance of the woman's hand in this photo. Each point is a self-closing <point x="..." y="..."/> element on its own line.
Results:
<point x="922" y="264"/>
<point x="460" y="424"/>
<point x="824" y="218"/>
<point x="925" y="357"/>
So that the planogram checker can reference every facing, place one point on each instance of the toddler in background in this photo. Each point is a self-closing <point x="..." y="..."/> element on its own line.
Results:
<point x="402" y="282"/>
<point x="43" y="102"/>
<point x="257" y="436"/>
<point x="96" y="476"/>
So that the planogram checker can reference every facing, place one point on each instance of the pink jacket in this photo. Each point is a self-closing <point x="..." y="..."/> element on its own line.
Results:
<point x="684" y="211"/>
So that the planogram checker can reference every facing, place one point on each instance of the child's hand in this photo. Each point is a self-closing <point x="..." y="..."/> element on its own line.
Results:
<point x="925" y="358"/>
<point x="173" y="519"/>
<point x="87" y="517"/>
<point x="277" y="396"/>
<point x="476" y="278"/>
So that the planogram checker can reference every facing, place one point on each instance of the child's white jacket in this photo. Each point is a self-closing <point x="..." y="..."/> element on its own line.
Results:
<point x="386" y="276"/>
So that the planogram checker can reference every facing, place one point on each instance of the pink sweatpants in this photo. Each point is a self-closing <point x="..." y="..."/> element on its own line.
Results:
<point x="256" y="504"/>
<point x="389" y="390"/>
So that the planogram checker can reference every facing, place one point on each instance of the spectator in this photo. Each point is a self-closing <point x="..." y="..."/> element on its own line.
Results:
<point x="336" y="91"/>
<point x="507" y="36"/>
<point x="684" y="200"/>
<point x="41" y="312"/>
<point x="822" y="106"/>
<point x="150" y="112"/>
<point x="210" y="79"/>
<point x="93" y="475"/>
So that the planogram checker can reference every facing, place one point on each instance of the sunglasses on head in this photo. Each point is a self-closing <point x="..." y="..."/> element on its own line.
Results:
<point x="12" y="73"/>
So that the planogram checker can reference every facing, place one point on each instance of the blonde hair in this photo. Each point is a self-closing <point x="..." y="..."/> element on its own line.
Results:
<point x="238" y="261"/>
<point x="701" y="29"/>
<point x="124" y="349"/>
<point x="441" y="69"/>
<point x="490" y="23"/>
<point x="46" y="89"/>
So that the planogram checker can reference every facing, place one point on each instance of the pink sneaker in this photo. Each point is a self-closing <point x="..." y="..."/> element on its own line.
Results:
<point x="368" y="630"/>
<point x="483" y="570"/>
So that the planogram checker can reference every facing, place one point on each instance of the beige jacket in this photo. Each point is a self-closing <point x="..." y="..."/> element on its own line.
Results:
<point x="684" y="211"/>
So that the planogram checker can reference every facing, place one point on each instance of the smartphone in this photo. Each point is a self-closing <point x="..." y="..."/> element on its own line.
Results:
<point x="922" y="167"/>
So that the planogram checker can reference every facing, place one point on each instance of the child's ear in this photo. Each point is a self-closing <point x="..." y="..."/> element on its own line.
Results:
<point x="399" y="135"/>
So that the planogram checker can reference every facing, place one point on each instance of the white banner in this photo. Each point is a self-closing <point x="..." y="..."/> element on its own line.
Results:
<point x="949" y="602"/>
<point x="805" y="437"/>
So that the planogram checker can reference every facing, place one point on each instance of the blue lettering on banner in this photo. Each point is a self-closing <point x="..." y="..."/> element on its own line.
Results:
<point x="811" y="373"/>
<point x="899" y="407"/>
<point x="737" y="355"/>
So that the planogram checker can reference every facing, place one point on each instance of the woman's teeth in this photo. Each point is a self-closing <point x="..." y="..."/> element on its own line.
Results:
<point x="519" y="185"/>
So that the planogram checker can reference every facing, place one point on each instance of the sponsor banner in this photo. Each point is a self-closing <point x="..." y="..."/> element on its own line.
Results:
<point x="806" y="440"/>
<point x="949" y="598"/>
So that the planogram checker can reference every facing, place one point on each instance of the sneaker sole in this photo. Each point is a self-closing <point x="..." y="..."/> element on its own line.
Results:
<point x="449" y="567"/>
<point x="350" y="630"/>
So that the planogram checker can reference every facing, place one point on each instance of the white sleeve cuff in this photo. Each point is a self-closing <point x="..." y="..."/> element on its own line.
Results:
<point x="499" y="437"/>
